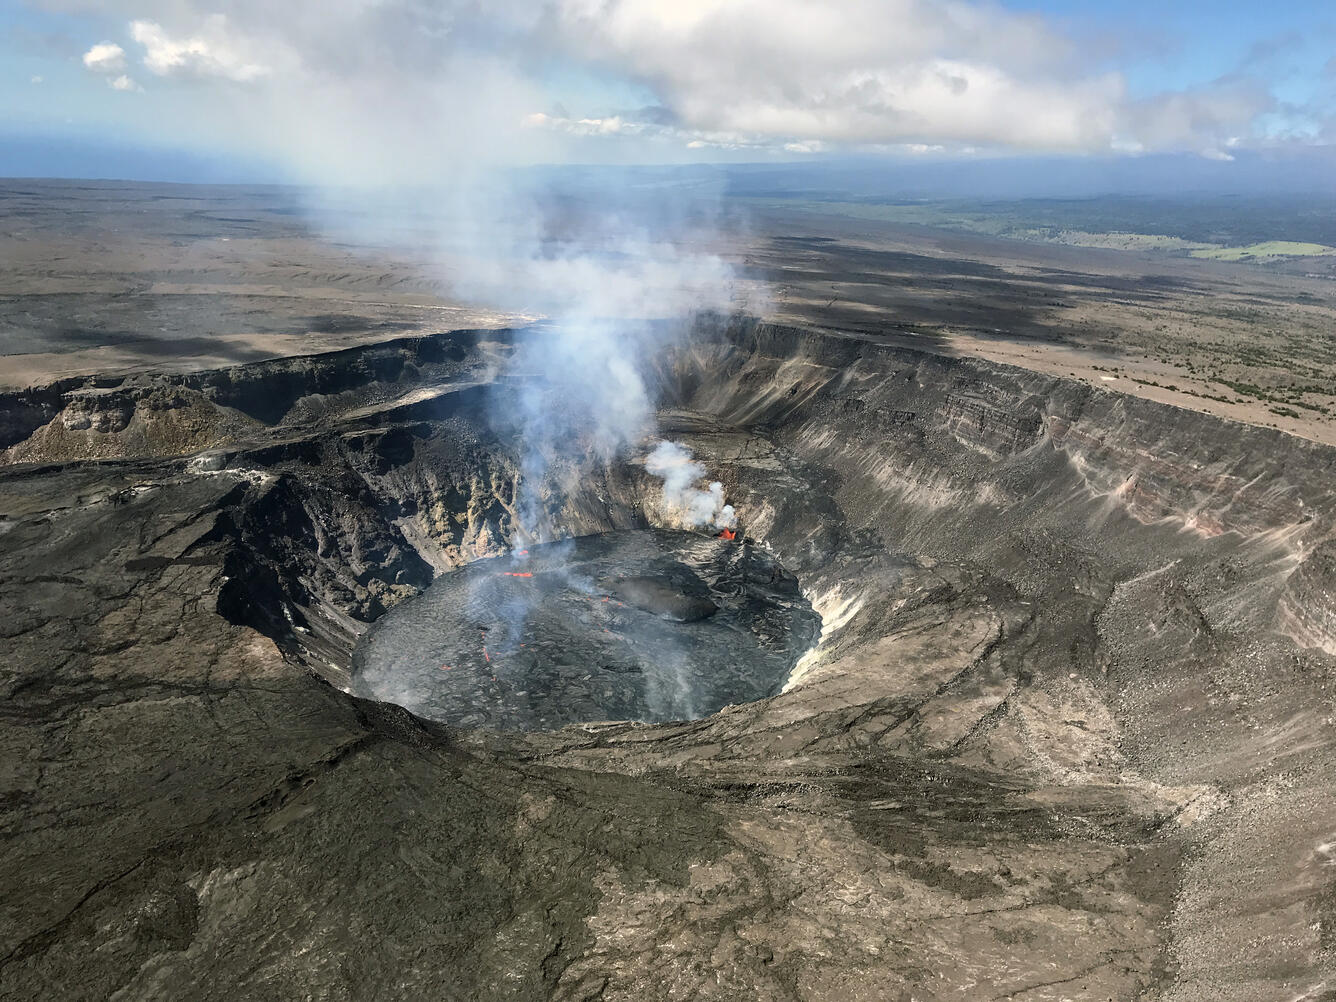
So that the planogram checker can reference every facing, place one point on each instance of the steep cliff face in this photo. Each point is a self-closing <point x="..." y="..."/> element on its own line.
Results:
<point x="1308" y="606"/>
<point x="1066" y="731"/>
<point x="142" y="421"/>
<point x="158" y="416"/>
<point x="1153" y="461"/>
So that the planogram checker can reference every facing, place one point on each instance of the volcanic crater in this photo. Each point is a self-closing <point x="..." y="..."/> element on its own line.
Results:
<point x="632" y="625"/>
<point x="998" y="659"/>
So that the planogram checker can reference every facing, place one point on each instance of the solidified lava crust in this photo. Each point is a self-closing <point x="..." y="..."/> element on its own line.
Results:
<point x="544" y="640"/>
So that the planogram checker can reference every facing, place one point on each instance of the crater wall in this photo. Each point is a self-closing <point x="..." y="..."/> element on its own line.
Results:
<point x="1068" y="720"/>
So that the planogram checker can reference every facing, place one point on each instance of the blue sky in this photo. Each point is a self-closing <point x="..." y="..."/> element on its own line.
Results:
<point x="1174" y="44"/>
<point x="190" y="91"/>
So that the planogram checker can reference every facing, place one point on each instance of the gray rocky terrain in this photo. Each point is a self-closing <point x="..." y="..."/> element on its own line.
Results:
<point x="1066" y="732"/>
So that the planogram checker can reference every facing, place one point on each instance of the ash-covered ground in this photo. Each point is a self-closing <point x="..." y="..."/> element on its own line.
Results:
<point x="649" y="625"/>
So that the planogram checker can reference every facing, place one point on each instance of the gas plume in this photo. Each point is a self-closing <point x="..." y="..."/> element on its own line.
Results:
<point x="684" y="502"/>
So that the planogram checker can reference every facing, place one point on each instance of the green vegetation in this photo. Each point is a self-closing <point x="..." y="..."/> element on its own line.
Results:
<point x="1223" y="229"/>
<point x="1246" y="389"/>
<point x="1267" y="248"/>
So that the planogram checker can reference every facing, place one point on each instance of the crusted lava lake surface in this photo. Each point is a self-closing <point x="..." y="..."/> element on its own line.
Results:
<point x="646" y="625"/>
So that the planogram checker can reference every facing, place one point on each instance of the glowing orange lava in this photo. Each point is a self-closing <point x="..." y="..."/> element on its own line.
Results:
<point x="727" y="534"/>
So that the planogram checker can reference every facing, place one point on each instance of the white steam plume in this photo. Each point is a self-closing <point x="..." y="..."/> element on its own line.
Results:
<point x="618" y="285"/>
<point x="404" y="122"/>
<point x="684" y="501"/>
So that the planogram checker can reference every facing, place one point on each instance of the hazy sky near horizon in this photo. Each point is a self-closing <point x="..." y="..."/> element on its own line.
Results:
<point x="403" y="90"/>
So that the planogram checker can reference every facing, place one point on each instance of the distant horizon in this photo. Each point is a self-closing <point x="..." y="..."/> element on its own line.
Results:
<point x="1311" y="172"/>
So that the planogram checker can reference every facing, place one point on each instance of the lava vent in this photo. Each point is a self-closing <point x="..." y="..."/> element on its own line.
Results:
<point x="648" y="625"/>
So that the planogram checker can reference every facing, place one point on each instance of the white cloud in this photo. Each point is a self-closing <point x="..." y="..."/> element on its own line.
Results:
<point x="105" y="57"/>
<point x="37" y="80"/>
<point x="692" y="139"/>
<point x="214" y="52"/>
<point x="861" y="71"/>
<point x="601" y="126"/>
<point x="1202" y="118"/>
<point x="872" y="72"/>
<point x="775" y="76"/>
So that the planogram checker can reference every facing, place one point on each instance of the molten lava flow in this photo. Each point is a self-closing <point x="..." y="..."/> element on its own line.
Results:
<point x="727" y="534"/>
<point x="518" y="574"/>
